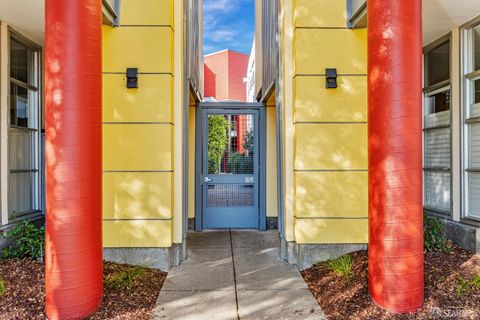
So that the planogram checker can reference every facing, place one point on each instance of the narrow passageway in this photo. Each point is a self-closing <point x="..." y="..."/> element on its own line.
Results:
<point x="235" y="274"/>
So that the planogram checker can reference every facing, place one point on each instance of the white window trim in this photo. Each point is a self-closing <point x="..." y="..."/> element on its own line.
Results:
<point x="37" y="149"/>
<point x="466" y="77"/>
<point x="4" y="80"/>
<point x="436" y="88"/>
<point x="5" y="34"/>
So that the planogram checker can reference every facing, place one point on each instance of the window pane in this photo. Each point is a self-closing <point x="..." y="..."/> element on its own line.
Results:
<point x="474" y="146"/>
<point x="20" y="194"/>
<point x="437" y="148"/>
<point x="476" y="47"/>
<point x="18" y="61"/>
<point x="33" y="72"/>
<point x="437" y="111"/>
<point x="231" y="144"/>
<point x="437" y="190"/>
<point x="476" y="91"/>
<point x="439" y="102"/>
<point x="474" y="195"/>
<point x="18" y="106"/>
<point x="21" y="149"/>
<point x="438" y="61"/>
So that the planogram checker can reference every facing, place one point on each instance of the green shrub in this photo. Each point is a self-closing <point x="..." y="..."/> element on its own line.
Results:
<point x="217" y="142"/>
<point x="123" y="279"/>
<point x="27" y="240"/>
<point x="3" y="290"/>
<point x="465" y="286"/>
<point x="433" y="234"/>
<point x="342" y="266"/>
<point x="240" y="163"/>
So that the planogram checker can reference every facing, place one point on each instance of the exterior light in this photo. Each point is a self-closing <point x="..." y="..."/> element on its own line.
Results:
<point x="331" y="75"/>
<point x="132" y="78"/>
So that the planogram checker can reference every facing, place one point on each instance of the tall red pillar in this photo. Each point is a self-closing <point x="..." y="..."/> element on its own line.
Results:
<point x="395" y="154"/>
<point x="73" y="110"/>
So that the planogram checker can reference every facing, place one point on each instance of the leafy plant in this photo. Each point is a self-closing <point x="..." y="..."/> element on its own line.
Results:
<point x="465" y="286"/>
<point x="342" y="266"/>
<point x="240" y="163"/>
<point x="27" y="240"/>
<point x="217" y="142"/>
<point x="124" y="279"/>
<point x="433" y="234"/>
<point x="248" y="141"/>
<point x="3" y="289"/>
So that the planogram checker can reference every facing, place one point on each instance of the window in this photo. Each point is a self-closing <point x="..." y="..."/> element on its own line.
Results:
<point x="436" y="128"/>
<point x="23" y="142"/>
<point x="471" y="115"/>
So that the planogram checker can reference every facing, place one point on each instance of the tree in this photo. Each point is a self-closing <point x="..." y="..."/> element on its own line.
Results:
<point x="217" y="142"/>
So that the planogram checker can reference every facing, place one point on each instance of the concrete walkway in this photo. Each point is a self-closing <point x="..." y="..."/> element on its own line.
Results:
<point x="235" y="275"/>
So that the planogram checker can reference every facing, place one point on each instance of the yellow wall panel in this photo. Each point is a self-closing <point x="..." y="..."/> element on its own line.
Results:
<point x="318" y="49"/>
<point x="271" y="169"/>
<point x="191" y="162"/>
<point x="137" y="234"/>
<point x="130" y="147"/>
<point x="151" y="102"/>
<point x="137" y="195"/>
<point x="147" y="48"/>
<point x="330" y="146"/>
<point x="309" y="231"/>
<point x="320" y="13"/>
<point x="146" y="12"/>
<point x="347" y="103"/>
<point x="334" y="194"/>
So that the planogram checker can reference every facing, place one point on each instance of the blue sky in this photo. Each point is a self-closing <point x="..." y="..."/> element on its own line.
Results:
<point x="228" y="24"/>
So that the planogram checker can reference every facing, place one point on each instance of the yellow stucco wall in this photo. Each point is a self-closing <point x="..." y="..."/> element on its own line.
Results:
<point x="138" y="127"/>
<point x="191" y="160"/>
<point x="330" y="126"/>
<point x="271" y="168"/>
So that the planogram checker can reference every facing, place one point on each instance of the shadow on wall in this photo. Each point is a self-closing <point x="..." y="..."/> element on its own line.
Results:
<point x="349" y="99"/>
<point x="325" y="146"/>
<point x="123" y="105"/>
<point x="138" y="195"/>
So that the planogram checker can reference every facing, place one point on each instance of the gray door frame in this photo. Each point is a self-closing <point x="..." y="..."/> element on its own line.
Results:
<point x="199" y="141"/>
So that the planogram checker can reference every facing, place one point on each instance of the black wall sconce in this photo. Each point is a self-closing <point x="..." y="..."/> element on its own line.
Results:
<point x="331" y="75"/>
<point x="132" y="78"/>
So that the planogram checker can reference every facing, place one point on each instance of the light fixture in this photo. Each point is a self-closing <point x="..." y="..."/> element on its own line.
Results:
<point x="331" y="75"/>
<point x="132" y="78"/>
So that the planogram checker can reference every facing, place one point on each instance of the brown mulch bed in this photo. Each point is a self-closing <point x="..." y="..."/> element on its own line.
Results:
<point x="342" y="298"/>
<point x="25" y="292"/>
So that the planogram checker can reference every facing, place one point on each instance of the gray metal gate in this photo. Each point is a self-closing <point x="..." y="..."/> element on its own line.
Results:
<point x="230" y="138"/>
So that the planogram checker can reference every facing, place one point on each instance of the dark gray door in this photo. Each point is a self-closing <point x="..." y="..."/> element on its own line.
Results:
<point x="230" y="167"/>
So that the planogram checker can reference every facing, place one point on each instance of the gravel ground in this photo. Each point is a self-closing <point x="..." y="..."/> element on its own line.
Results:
<point x="349" y="299"/>
<point x="25" y="293"/>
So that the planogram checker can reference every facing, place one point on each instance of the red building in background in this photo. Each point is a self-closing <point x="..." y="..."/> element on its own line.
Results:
<point x="223" y="74"/>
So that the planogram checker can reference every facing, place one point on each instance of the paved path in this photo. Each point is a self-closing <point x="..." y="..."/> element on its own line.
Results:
<point x="235" y="275"/>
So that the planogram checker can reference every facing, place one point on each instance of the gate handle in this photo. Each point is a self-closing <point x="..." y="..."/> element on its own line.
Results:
<point x="207" y="179"/>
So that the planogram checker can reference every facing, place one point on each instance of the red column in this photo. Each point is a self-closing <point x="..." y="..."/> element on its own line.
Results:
<point x="73" y="111"/>
<point x="395" y="154"/>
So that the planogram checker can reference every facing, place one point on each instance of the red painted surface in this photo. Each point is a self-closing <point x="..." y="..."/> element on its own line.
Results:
<point x="242" y="132"/>
<point x="395" y="154"/>
<point x="229" y="68"/>
<point x="73" y="102"/>
<point x="209" y="82"/>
